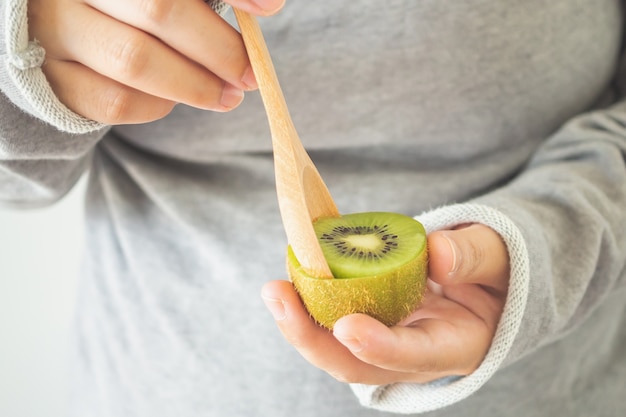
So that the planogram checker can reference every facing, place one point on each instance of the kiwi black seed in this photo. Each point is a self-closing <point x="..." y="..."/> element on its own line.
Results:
<point x="379" y="264"/>
<point x="364" y="244"/>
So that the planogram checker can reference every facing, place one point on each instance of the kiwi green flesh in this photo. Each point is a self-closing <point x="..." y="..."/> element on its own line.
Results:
<point x="368" y="244"/>
<point x="388" y="296"/>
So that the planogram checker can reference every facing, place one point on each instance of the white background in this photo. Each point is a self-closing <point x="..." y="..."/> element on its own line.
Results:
<point x="39" y="258"/>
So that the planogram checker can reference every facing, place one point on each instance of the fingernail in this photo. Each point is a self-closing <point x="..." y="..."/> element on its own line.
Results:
<point x="231" y="97"/>
<point x="350" y="342"/>
<point x="456" y="254"/>
<point x="249" y="79"/>
<point x="276" y="306"/>
<point x="268" y="6"/>
<point x="434" y="287"/>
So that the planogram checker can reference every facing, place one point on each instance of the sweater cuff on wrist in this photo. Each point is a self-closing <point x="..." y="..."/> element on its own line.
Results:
<point x="418" y="398"/>
<point x="23" y="81"/>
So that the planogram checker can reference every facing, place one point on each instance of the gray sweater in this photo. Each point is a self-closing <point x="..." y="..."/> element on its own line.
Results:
<point x="504" y="113"/>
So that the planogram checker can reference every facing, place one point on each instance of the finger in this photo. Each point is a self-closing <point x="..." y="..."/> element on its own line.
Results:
<point x="191" y="28"/>
<point x="138" y="60"/>
<point x="102" y="99"/>
<point x="446" y="340"/>
<point x="316" y="344"/>
<point x="470" y="255"/>
<point x="297" y="326"/>
<point x="258" y="7"/>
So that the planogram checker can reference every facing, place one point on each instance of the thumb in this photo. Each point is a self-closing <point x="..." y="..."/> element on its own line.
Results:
<point x="258" y="7"/>
<point x="472" y="254"/>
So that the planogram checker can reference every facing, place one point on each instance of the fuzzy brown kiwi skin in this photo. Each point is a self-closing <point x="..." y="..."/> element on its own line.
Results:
<point x="388" y="297"/>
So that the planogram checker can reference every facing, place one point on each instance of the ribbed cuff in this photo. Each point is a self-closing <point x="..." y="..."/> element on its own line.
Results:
<point x="405" y="398"/>
<point x="23" y="81"/>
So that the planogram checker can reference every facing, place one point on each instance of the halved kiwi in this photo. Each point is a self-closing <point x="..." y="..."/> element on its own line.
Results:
<point x="379" y="263"/>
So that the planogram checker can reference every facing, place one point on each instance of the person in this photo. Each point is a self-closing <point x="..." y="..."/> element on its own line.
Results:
<point x="499" y="125"/>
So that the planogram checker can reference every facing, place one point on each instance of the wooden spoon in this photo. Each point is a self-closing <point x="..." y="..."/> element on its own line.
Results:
<point x="302" y="195"/>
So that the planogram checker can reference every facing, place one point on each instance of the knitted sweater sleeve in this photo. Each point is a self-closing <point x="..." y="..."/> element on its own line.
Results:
<point x="22" y="80"/>
<point x="44" y="146"/>
<point x="415" y="398"/>
<point x="562" y="220"/>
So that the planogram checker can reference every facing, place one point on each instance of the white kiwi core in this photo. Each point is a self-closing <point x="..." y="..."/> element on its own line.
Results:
<point x="368" y="241"/>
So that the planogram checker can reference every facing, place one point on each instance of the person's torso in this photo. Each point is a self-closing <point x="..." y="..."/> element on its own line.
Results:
<point x="403" y="105"/>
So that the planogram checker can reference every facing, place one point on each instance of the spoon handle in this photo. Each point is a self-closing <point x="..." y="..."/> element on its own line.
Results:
<point x="302" y="195"/>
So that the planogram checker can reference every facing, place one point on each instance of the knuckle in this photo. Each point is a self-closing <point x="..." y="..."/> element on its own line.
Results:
<point x="122" y="105"/>
<point x="433" y="366"/>
<point x="116" y="105"/>
<point x="129" y="57"/>
<point x="156" y="12"/>
<point x="475" y="256"/>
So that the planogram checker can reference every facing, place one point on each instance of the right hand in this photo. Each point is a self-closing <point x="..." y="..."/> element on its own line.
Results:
<point x="448" y="335"/>
<point x="131" y="61"/>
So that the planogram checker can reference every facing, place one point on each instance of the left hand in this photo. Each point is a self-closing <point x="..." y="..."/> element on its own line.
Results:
<point x="449" y="334"/>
